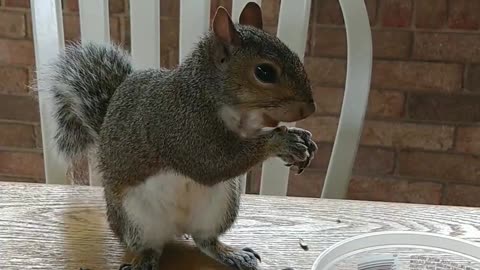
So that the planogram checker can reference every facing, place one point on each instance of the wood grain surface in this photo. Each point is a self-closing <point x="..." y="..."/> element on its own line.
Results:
<point x="64" y="227"/>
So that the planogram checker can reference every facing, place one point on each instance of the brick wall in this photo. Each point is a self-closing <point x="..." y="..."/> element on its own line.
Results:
<point x="421" y="141"/>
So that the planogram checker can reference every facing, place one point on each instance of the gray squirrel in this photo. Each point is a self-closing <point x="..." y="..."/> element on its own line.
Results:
<point x="172" y="144"/>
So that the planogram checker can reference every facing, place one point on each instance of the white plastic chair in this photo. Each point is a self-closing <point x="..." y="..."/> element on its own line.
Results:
<point x="194" y="20"/>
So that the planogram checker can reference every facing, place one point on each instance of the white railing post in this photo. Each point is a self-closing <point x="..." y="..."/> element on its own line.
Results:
<point x="194" y="22"/>
<point x="94" y="27"/>
<point x="48" y="39"/>
<point x="145" y="33"/>
<point x="94" y="21"/>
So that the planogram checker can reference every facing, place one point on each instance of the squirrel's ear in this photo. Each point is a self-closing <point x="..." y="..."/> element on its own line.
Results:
<point x="224" y="29"/>
<point x="252" y="15"/>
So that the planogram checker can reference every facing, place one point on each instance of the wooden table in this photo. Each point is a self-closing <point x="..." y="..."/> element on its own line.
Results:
<point x="64" y="227"/>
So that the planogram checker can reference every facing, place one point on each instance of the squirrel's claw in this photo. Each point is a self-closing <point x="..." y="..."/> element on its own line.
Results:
<point x="125" y="266"/>
<point x="253" y="252"/>
<point x="301" y="149"/>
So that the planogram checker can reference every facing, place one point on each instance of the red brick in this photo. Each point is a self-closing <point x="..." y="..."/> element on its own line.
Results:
<point x="468" y="140"/>
<point x="328" y="100"/>
<point x="16" y="52"/>
<point x="430" y="13"/>
<point x="114" y="6"/>
<point x="125" y="32"/>
<point x="115" y="34"/>
<point x="462" y="195"/>
<point x="169" y="42"/>
<point x="463" y="14"/>
<point x="326" y="71"/>
<point x="117" y="6"/>
<point x="253" y="180"/>
<point x="4" y="178"/>
<point x="17" y="3"/>
<point x="407" y="135"/>
<point x="458" y="47"/>
<point x="13" y="80"/>
<point x="308" y="184"/>
<point x="214" y="4"/>
<point x="329" y="11"/>
<point x="19" y="108"/>
<point x="386" y="43"/>
<point x="444" y="108"/>
<point x="395" y="13"/>
<point x="28" y="29"/>
<point x="472" y="80"/>
<point x="71" y="25"/>
<point x="382" y="133"/>
<point x="170" y="8"/>
<point x="323" y="128"/>
<point x="12" y="24"/>
<point x="388" y="104"/>
<point x="394" y="190"/>
<point x="424" y="76"/>
<point x="17" y="135"/>
<point x="38" y="137"/>
<point x="270" y="11"/>
<point x="391" y="44"/>
<point x="322" y="156"/>
<point x="372" y="10"/>
<point x="373" y="161"/>
<point x="369" y="160"/>
<point x="329" y="42"/>
<point x="22" y="164"/>
<point x="273" y="31"/>
<point x="70" y="5"/>
<point x="440" y="166"/>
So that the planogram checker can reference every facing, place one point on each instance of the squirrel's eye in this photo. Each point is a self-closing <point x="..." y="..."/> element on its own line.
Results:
<point x="266" y="73"/>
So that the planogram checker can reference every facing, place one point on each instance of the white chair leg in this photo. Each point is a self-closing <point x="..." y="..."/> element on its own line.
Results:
<point x="48" y="39"/>
<point x="145" y="33"/>
<point x="194" y="21"/>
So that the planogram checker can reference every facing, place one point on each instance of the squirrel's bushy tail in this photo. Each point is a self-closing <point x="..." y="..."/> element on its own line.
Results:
<point x="80" y="83"/>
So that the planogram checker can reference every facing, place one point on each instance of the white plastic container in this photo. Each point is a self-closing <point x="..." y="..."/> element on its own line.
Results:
<point x="400" y="251"/>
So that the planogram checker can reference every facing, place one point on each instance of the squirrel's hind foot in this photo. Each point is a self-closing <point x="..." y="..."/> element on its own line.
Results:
<point x="239" y="259"/>
<point x="148" y="260"/>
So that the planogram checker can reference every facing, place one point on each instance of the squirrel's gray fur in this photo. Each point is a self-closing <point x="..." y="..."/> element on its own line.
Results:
<point x="143" y="122"/>
<point x="81" y="82"/>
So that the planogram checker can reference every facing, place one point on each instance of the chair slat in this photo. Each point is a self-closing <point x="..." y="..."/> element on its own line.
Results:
<point x="293" y="30"/>
<point x="94" y="21"/>
<point x="49" y="40"/>
<point x="145" y="33"/>
<point x="194" y="22"/>
<point x="237" y="7"/>
<point x="94" y="27"/>
<point x="357" y="88"/>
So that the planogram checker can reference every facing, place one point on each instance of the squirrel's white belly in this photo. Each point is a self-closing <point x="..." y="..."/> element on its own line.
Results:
<point x="169" y="204"/>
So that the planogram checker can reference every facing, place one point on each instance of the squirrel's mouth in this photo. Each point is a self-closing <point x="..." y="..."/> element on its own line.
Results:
<point x="269" y="121"/>
<point x="290" y="113"/>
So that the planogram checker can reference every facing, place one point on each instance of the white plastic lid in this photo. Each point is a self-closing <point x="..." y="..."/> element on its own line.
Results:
<point x="400" y="250"/>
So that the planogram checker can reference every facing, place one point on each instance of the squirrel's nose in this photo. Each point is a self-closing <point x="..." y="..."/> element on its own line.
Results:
<point x="308" y="109"/>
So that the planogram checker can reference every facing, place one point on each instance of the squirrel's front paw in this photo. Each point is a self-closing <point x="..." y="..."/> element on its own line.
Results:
<point x="299" y="148"/>
<point x="244" y="259"/>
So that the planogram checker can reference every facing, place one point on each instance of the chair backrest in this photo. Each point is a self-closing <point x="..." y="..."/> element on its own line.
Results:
<point x="194" y="20"/>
